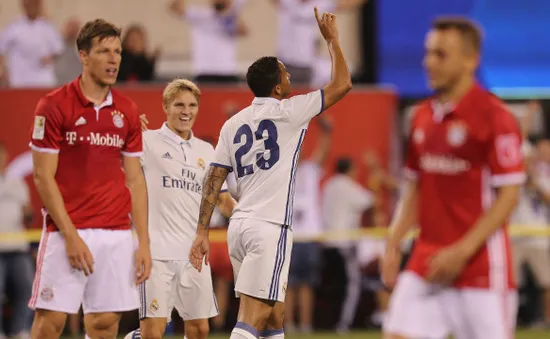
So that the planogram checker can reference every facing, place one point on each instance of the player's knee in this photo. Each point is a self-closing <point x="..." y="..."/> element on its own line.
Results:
<point x="101" y="325"/>
<point x="47" y="325"/>
<point x="197" y="330"/>
<point x="151" y="333"/>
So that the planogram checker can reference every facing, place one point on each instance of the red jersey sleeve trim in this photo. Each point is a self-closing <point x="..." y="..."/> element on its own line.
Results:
<point x="43" y="150"/>
<point x="507" y="179"/>
<point x="132" y="154"/>
<point x="410" y="174"/>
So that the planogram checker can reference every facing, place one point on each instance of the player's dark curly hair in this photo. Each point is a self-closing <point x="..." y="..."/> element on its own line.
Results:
<point x="263" y="75"/>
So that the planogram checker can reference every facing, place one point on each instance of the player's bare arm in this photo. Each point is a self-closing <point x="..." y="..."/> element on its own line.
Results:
<point x="340" y="84"/>
<point x="405" y="219"/>
<point x="210" y="194"/>
<point x="177" y="7"/>
<point x="448" y="264"/>
<point x="45" y="167"/>
<point x="138" y="190"/>
<point x="320" y="154"/>
<point x="226" y="204"/>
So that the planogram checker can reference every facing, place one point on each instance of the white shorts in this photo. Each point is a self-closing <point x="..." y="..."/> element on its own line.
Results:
<point x="260" y="256"/>
<point x="420" y="310"/>
<point x="178" y="284"/>
<point x="111" y="288"/>
<point x="538" y="259"/>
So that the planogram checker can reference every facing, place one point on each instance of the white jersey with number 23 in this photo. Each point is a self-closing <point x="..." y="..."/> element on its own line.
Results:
<point x="261" y="146"/>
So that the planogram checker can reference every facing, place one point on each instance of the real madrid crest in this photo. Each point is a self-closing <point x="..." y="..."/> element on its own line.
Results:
<point x="154" y="305"/>
<point x="201" y="163"/>
<point x="456" y="134"/>
<point x="118" y="118"/>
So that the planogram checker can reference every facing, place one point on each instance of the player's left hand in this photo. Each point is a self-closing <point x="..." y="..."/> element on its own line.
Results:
<point x="446" y="265"/>
<point x="143" y="264"/>
<point x="144" y="122"/>
<point x="200" y="250"/>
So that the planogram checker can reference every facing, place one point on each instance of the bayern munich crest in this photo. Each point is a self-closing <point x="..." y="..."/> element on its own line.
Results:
<point x="118" y="118"/>
<point x="456" y="134"/>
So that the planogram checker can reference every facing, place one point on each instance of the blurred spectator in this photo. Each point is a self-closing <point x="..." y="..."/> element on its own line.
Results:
<point x="305" y="260"/>
<point x="16" y="268"/>
<point x="28" y="49"/>
<point x="532" y="210"/>
<point x="344" y="202"/>
<point x="67" y="65"/>
<point x="138" y="64"/>
<point x="214" y="34"/>
<point x="298" y="33"/>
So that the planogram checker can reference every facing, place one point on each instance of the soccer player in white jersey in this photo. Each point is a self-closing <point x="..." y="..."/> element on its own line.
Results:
<point x="261" y="145"/>
<point x="175" y="165"/>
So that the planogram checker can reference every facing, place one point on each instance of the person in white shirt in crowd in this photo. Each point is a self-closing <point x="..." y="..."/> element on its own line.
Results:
<point x="344" y="201"/>
<point x="215" y="31"/>
<point x="28" y="49"/>
<point x="16" y="267"/>
<point x="532" y="211"/>
<point x="67" y="64"/>
<point x="175" y="164"/>
<point x="305" y="260"/>
<point x="297" y="34"/>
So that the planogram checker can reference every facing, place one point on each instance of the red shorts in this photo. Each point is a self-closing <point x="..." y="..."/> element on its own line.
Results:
<point x="220" y="264"/>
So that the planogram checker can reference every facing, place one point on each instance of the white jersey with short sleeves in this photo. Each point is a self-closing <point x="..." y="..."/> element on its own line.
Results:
<point x="261" y="146"/>
<point x="174" y="170"/>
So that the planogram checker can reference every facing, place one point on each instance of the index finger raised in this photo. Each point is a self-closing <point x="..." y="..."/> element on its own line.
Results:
<point x="317" y="15"/>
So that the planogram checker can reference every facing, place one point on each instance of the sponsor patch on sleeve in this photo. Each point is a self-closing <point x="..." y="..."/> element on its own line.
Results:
<point x="39" y="128"/>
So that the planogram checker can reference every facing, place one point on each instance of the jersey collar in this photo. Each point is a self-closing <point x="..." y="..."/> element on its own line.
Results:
<point x="263" y="100"/>
<point x="85" y="102"/>
<point x="440" y="110"/>
<point x="174" y="137"/>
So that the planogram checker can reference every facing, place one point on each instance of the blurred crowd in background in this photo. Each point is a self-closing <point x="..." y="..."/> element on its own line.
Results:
<point x="333" y="284"/>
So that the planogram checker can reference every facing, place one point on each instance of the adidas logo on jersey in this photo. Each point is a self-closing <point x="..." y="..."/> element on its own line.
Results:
<point x="80" y="121"/>
<point x="167" y="155"/>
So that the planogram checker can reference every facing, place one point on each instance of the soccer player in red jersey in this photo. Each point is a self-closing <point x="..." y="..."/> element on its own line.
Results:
<point x="465" y="169"/>
<point x="86" y="142"/>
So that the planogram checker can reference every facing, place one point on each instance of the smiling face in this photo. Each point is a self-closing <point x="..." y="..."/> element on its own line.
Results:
<point x="181" y="113"/>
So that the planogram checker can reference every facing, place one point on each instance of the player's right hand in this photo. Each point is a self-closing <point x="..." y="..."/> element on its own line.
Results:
<point x="79" y="254"/>
<point x="327" y="25"/>
<point x="144" y="122"/>
<point x="200" y="250"/>
<point x="391" y="263"/>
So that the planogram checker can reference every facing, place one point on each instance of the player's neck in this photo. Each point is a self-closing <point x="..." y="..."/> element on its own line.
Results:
<point x="454" y="94"/>
<point x="92" y="90"/>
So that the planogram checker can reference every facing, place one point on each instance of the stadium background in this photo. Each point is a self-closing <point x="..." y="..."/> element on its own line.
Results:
<point x="384" y="43"/>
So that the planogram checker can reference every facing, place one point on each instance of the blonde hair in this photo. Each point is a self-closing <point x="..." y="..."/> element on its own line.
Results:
<point x="177" y="86"/>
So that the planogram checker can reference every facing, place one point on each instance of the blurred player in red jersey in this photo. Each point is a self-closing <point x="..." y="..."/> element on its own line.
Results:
<point x="465" y="169"/>
<point x="86" y="143"/>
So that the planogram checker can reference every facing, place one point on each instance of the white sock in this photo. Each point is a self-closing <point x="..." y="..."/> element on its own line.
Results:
<point x="243" y="331"/>
<point x="86" y="336"/>
<point x="135" y="334"/>
<point x="272" y="334"/>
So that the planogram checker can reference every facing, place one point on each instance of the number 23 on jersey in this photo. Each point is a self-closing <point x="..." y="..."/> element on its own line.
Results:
<point x="265" y="159"/>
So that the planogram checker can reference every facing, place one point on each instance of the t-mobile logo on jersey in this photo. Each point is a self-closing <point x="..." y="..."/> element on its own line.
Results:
<point x="442" y="164"/>
<point x="96" y="139"/>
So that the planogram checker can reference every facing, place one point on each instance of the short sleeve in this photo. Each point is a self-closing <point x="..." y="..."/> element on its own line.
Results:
<point x="142" y="157"/>
<point x="505" y="154"/>
<point x="412" y="168"/>
<point x="302" y="108"/>
<point x="133" y="146"/>
<point x="222" y="156"/>
<point x="47" y="129"/>
<point x="362" y="198"/>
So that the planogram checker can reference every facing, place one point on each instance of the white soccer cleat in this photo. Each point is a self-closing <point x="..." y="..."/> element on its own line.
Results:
<point x="133" y="335"/>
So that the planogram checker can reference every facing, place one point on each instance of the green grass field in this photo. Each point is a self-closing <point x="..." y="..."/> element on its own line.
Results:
<point x="527" y="334"/>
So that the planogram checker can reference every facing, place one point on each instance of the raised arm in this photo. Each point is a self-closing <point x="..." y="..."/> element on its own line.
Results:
<point x="340" y="83"/>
